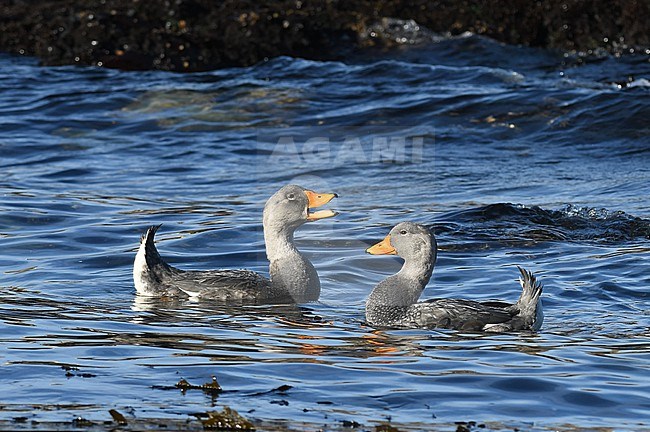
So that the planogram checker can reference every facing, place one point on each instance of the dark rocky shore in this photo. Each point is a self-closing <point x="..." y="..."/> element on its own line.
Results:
<point x="195" y="35"/>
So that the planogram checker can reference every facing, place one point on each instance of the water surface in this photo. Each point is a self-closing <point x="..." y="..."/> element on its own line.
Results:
<point x="514" y="156"/>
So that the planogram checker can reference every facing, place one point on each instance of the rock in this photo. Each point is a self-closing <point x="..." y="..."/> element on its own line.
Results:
<point x="198" y="35"/>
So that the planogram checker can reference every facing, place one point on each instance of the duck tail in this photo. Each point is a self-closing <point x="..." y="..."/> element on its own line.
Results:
<point x="148" y="267"/>
<point x="148" y="245"/>
<point x="529" y="306"/>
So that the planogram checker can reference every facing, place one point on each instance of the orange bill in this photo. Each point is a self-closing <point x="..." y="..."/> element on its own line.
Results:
<point x="321" y="214"/>
<point x="384" y="247"/>
<point x="316" y="200"/>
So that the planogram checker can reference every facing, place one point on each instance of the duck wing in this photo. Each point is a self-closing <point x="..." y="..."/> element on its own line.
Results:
<point x="244" y="286"/>
<point x="154" y="277"/>
<point x="492" y="316"/>
<point x="459" y="314"/>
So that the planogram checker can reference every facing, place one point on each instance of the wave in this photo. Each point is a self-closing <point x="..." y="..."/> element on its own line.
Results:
<point x="511" y="222"/>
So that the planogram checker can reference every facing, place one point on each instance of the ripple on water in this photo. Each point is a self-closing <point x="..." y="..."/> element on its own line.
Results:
<point x="520" y="165"/>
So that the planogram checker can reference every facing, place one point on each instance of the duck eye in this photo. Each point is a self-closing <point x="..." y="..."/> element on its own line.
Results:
<point x="291" y="196"/>
<point x="403" y="232"/>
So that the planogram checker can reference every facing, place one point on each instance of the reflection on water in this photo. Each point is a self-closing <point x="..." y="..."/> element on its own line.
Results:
<point x="85" y="172"/>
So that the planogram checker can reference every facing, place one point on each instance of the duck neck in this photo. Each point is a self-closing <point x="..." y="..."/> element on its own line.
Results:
<point x="405" y="287"/>
<point x="290" y="271"/>
<point x="279" y="244"/>
<point x="418" y="269"/>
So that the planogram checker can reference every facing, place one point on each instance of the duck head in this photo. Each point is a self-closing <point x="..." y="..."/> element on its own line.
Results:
<point x="292" y="205"/>
<point x="409" y="240"/>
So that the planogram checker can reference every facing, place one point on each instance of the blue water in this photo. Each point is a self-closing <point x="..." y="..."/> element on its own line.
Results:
<point x="515" y="156"/>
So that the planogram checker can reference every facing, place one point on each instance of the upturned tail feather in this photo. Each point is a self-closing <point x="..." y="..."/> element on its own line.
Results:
<point x="151" y="254"/>
<point x="526" y="315"/>
<point x="531" y="290"/>
<point x="150" y="233"/>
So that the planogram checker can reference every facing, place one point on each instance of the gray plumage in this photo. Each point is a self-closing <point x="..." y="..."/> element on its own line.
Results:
<point x="293" y="277"/>
<point x="394" y="301"/>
